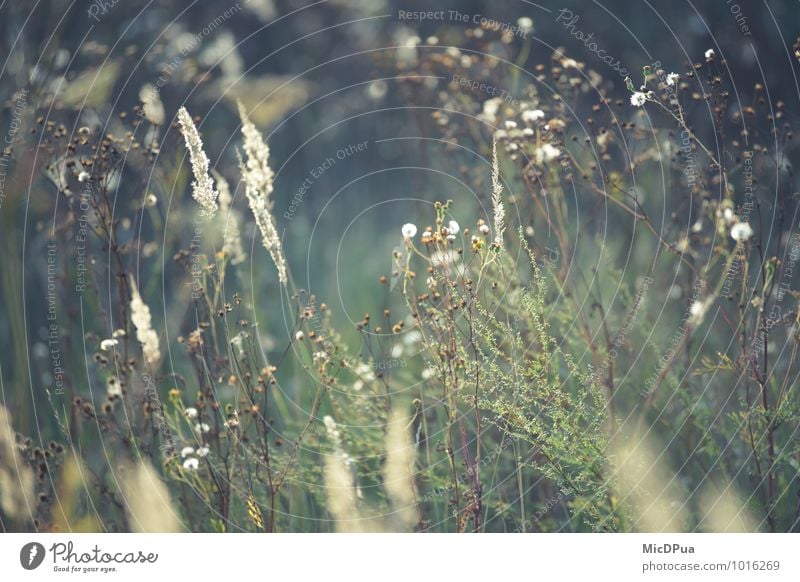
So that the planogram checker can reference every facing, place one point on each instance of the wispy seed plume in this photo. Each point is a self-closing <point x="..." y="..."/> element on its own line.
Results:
<point x="258" y="176"/>
<point x="203" y="186"/>
<point x="498" y="208"/>
<point x="140" y="316"/>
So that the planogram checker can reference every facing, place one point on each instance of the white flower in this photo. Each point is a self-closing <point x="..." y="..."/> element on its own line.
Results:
<point x="428" y="373"/>
<point x="118" y="333"/>
<point x="451" y="237"/>
<point x="150" y="200"/>
<point x="546" y="153"/>
<point x="299" y="336"/>
<point x="452" y="227"/>
<point x="728" y="215"/>
<point x="510" y="124"/>
<point x="107" y="344"/>
<point x="409" y="230"/>
<point x="201" y="427"/>
<point x="741" y="232"/>
<point x="191" y="464"/>
<point x="83" y="176"/>
<point x="203" y="186"/>
<point x="427" y="234"/>
<point x="186" y="451"/>
<point x="638" y="98"/>
<point x="484" y="228"/>
<point x="525" y="24"/>
<point x="202" y="451"/>
<point x="531" y="115"/>
<point x="710" y="53"/>
<point x="697" y="311"/>
<point x="671" y="78"/>
<point x="190" y="413"/>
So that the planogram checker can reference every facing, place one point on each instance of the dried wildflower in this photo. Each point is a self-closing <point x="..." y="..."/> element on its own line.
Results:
<point x="258" y="176"/>
<point x="203" y="186"/>
<point x="671" y="78"/>
<point x="140" y="316"/>
<point x="741" y="231"/>
<point x="497" y="200"/>
<point x="231" y="235"/>
<point x="254" y="511"/>
<point x="638" y="98"/>
<point x="710" y="53"/>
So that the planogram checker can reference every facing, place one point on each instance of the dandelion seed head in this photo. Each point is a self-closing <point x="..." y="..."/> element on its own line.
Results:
<point x="192" y="464"/>
<point x="409" y="230"/>
<point x="741" y="231"/>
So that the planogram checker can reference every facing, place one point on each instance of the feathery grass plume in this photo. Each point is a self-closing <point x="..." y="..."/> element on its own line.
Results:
<point x="203" y="186"/>
<point x="497" y="199"/>
<point x="232" y="234"/>
<point x="16" y="479"/>
<point x="147" y="501"/>
<point x="399" y="472"/>
<point x="647" y="486"/>
<point x="341" y="494"/>
<point x="140" y="316"/>
<point x="257" y="176"/>
<point x="725" y="511"/>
